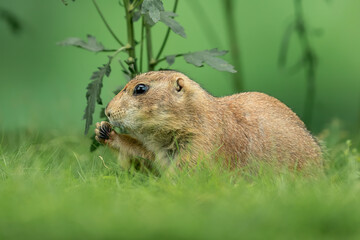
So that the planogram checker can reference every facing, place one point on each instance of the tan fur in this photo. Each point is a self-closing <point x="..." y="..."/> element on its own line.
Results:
<point x="171" y="127"/>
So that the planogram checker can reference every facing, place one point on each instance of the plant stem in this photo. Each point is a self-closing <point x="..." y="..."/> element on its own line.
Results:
<point x="164" y="58"/>
<point x="309" y="61"/>
<point x="284" y="47"/>
<point x="203" y="19"/>
<point x="151" y="60"/>
<point x="106" y="24"/>
<point x="234" y="44"/>
<point x="118" y="51"/>
<point x="135" y="4"/>
<point x="108" y="50"/>
<point x="142" y="43"/>
<point x="167" y="34"/>
<point x="310" y="96"/>
<point x="131" y="61"/>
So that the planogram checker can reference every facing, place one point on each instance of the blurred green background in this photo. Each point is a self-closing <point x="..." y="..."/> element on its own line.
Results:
<point x="43" y="85"/>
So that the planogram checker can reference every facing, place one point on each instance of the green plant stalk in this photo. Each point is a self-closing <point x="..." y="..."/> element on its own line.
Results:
<point x="151" y="60"/>
<point x="164" y="58"/>
<point x="203" y="19"/>
<point x="238" y="81"/>
<point x="142" y="43"/>
<point x="167" y="34"/>
<point x="310" y="96"/>
<point x="135" y="4"/>
<point x="118" y="51"/>
<point x="106" y="24"/>
<point x="309" y="60"/>
<point x="131" y="61"/>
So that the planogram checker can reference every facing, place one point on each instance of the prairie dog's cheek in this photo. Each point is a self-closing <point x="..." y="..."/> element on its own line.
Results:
<point x="151" y="110"/>
<point x="131" y="118"/>
<point x="126" y="102"/>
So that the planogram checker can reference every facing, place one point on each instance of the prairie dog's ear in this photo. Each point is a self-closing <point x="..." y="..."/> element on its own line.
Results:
<point x="179" y="84"/>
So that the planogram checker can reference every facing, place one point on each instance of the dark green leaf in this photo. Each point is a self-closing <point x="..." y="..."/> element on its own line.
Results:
<point x="210" y="58"/>
<point x="94" y="144"/>
<point x="11" y="20"/>
<point x="91" y="45"/>
<point x="153" y="9"/>
<point x="136" y="16"/>
<point x="167" y="18"/>
<point x="93" y="93"/>
<point x="148" y="20"/>
<point x="127" y="73"/>
<point x="170" y="59"/>
<point x="102" y="113"/>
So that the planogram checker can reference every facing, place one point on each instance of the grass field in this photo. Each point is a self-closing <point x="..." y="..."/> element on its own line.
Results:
<point x="52" y="187"/>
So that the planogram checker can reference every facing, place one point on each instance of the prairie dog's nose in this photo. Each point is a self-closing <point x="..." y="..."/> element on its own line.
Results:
<point x="108" y="112"/>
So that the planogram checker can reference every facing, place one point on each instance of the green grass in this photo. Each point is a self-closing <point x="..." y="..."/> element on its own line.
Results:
<point x="51" y="187"/>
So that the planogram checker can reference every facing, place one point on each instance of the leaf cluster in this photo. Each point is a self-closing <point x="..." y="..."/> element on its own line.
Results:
<point x="91" y="45"/>
<point x="150" y="12"/>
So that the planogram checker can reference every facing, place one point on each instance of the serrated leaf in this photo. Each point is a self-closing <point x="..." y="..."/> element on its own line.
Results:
<point x="209" y="57"/>
<point x="93" y="93"/>
<point x="216" y="52"/>
<point x="167" y="18"/>
<point x="148" y="20"/>
<point x="102" y="113"/>
<point x="91" y="44"/>
<point x="94" y="144"/>
<point x="170" y="59"/>
<point x="136" y="16"/>
<point x="153" y="9"/>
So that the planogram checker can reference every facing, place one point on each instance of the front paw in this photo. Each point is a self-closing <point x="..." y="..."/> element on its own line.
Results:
<point x="103" y="132"/>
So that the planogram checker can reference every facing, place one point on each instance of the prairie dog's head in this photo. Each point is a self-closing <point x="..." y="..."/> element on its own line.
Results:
<point x="151" y="100"/>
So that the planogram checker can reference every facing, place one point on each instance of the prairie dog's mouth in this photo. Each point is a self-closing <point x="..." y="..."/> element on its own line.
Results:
<point x="116" y="123"/>
<point x="121" y="127"/>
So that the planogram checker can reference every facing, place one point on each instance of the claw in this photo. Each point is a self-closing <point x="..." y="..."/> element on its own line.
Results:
<point x="103" y="131"/>
<point x="107" y="128"/>
<point x="104" y="135"/>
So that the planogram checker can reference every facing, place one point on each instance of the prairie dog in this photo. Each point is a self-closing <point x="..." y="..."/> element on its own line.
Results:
<point x="171" y="120"/>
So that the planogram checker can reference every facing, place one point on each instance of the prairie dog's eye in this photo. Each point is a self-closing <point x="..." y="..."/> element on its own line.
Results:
<point x="140" y="89"/>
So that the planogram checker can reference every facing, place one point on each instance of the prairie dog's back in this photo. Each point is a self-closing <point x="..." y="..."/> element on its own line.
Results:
<point x="266" y="128"/>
